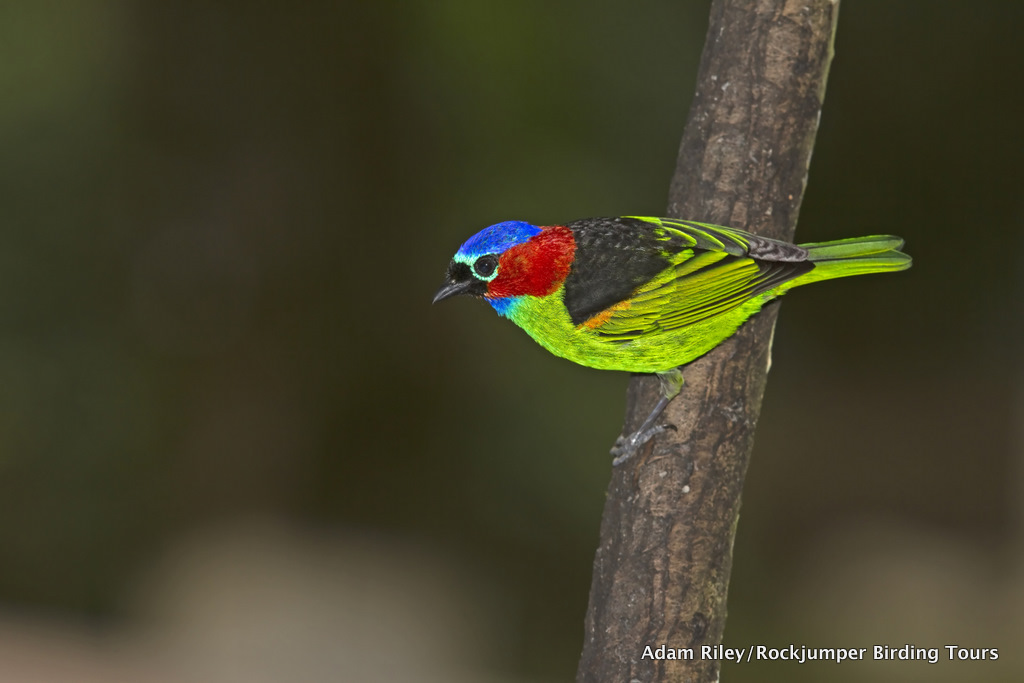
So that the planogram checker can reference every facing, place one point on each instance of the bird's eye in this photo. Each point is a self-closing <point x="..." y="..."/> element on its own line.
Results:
<point x="485" y="265"/>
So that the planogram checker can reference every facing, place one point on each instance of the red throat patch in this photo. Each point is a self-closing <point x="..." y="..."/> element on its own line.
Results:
<point x="537" y="266"/>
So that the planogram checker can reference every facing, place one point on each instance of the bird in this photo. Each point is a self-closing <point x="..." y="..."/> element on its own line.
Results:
<point x="643" y="294"/>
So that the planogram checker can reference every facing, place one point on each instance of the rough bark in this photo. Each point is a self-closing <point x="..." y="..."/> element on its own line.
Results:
<point x="661" y="572"/>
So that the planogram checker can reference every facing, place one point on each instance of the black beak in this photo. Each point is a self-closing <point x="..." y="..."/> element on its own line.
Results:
<point x="460" y="280"/>
<point x="449" y="289"/>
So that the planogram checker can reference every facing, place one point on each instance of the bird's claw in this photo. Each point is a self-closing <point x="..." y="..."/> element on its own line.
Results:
<point x="626" y="446"/>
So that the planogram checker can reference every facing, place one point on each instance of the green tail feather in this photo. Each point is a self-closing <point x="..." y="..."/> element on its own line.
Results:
<point x="854" y="256"/>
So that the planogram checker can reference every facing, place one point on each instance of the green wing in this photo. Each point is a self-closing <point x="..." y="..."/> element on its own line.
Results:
<point x="730" y="240"/>
<point x="722" y="269"/>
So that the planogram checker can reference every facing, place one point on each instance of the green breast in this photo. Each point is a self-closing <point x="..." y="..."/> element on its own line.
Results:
<point x="654" y="350"/>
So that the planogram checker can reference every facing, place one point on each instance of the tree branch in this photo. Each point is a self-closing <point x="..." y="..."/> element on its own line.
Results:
<point x="662" y="568"/>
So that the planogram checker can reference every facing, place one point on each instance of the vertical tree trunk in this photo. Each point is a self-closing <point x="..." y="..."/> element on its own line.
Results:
<point x="661" y="572"/>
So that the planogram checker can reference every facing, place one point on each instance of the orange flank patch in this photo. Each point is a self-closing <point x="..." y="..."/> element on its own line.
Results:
<point x="595" y="321"/>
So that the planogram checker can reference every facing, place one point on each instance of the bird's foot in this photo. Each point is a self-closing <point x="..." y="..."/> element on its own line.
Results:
<point x="626" y="446"/>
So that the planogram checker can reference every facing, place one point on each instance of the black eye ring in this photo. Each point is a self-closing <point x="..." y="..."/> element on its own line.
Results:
<point x="485" y="265"/>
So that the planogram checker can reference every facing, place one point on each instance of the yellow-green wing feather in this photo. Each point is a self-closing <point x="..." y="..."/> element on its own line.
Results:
<point x="714" y="277"/>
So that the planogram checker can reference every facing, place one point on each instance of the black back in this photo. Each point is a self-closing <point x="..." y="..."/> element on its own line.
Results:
<point x="614" y="256"/>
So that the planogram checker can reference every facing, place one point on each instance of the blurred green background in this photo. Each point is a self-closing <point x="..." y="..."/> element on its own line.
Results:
<point x="237" y="443"/>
